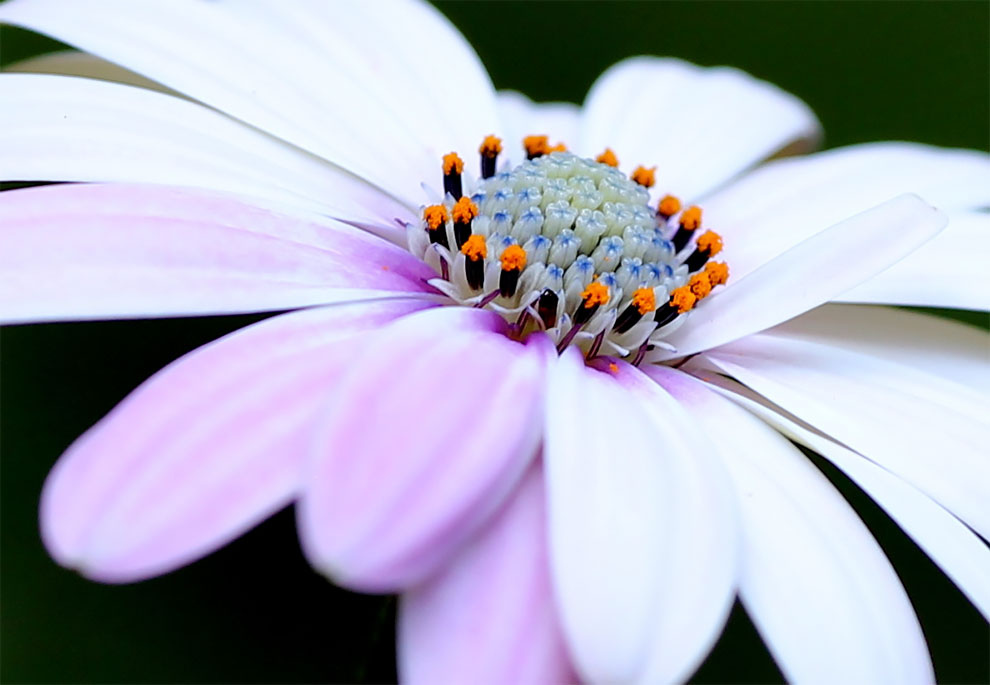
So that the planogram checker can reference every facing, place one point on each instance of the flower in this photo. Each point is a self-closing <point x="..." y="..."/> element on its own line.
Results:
<point x="410" y="435"/>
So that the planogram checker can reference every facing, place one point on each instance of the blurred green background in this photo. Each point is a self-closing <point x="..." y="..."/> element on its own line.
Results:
<point x="255" y="612"/>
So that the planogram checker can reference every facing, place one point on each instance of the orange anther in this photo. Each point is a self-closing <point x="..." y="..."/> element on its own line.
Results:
<point x="435" y="216"/>
<point x="513" y="258"/>
<point x="691" y="218"/>
<point x="536" y="145"/>
<point x="613" y="368"/>
<point x="718" y="273"/>
<point x="700" y="286"/>
<point x="683" y="299"/>
<point x="475" y="248"/>
<point x="644" y="300"/>
<point x="464" y="210"/>
<point x="608" y="157"/>
<point x="559" y="147"/>
<point x="491" y="146"/>
<point x="595" y="294"/>
<point x="669" y="205"/>
<point x="710" y="242"/>
<point x="452" y="164"/>
<point x="643" y="176"/>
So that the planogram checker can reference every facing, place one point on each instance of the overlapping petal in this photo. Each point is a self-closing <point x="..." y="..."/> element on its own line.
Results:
<point x="958" y="551"/>
<point x="56" y="128"/>
<point x="387" y="117"/>
<point x="818" y="587"/>
<point x="123" y="251"/>
<point x="203" y="450"/>
<point x="943" y="348"/>
<point x="642" y="526"/>
<point x="790" y="283"/>
<point x="701" y="126"/>
<point x="778" y="205"/>
<point x="489" y="616"/>
<point x="426" y="436"/>
<point x="929" y="433"/>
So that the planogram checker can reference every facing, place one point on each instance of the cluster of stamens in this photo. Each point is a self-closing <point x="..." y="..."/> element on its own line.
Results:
<point x="569" y="246"/>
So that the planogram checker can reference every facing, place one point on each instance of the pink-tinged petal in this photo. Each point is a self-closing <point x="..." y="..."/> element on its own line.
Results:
<point x="818" y="587"/>
<point x="489" y="616"/>
<point x="431" y="429"/>
<point x="950" y="270"/>
<point x="385" y="114"/>
<point x="958" y="551"/>
<point x="522" y="117"/>
<point x="203" y="450"/>
<point x="929" y="432"/>
<point x="55" y="128"/>
<point x="700" y="126"/>
<point x="643" y="541"/>
<point x="119" y="251"/>
<point x="809" y="274"/>
<point x="947" y="349"/>
<point x="777" y="206"/>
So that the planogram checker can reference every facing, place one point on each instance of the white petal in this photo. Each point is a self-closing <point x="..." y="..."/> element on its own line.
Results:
<point x="817" y="585"/>
<point x="700" y="126"/>
<point x="958" y="551"/>
<point x="75" y="63"/>
<point x="950" y="270"/>
<point x="809" y="274"/>
<point x="904" y="420"/>
<point x="57" y="128"/>
<point x="778" y="205"/>
<point x="386" y="114"/>
<point x="951" y="350"/>
<point x="522" y="117"/>
<point x="642" y="526"/>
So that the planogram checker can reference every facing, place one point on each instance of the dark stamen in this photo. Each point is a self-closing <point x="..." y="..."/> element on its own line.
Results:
<point x="474" y="270"/>
<point x="629" y="317"/>
<point x="546" y="307"/>
<point x="438" y="236"/>
<point x="462" y="231"/>
<point x="681" y="238"/>
<point x="507" y="282"/>
<point x="665" y="314"/>
<point x="697" y="260"/>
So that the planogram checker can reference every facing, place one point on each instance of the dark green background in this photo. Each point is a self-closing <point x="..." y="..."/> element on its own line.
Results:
<point x="254" y="611"/>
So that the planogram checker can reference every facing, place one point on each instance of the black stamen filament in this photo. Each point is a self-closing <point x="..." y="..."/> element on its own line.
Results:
<point x="697" y="259"/>
<point x="462" y="231"/>
<point x="488" y="166"/>
<point x="452" y="184"/>
<point x="546" y="307"/>
<point x="681" y="238"/>
<point x="629" y="317"/>
<point x="666" y="314"/>
<point x="474" y="270"/>
<point x="507" y="282"/>
<point x="438" y="236"/>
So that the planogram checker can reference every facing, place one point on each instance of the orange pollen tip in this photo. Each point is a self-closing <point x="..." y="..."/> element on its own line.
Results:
<point x="475" y="248"/>
<point x="491" y="146"/>
<point x="513" y="258"/>
<point x="559" y="147"/>
<point x="710" y="242"/>
<point x="644" y="300"/>
<point x="608" y="157"/>
<point x="596" y="293"/>
<point x="718" y="273"/>
<point x="435" y="216"/>
<point x="613" y="368"/>
<point x="643" y="176"/>
<point x="452" y="164"/>
<point x="691" y="218"/>
<point x="536" y="145"/>
<point x="700" y="286"/>
<point x="683" y="299"/>
<point x="464" y="210"/>
<point x="669" y="205"/>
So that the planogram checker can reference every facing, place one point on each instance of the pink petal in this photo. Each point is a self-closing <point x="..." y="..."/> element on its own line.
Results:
<point x="431" y="429"/>
<point x="489" y="617"/>
<point x="122" y="251"/>
<point x="205" y="449"/>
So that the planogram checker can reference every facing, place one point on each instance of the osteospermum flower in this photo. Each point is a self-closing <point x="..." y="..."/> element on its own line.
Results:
<point x="550" y="399"/>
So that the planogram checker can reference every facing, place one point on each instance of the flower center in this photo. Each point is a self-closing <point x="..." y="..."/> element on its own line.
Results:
<point x="570" y="246"/>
